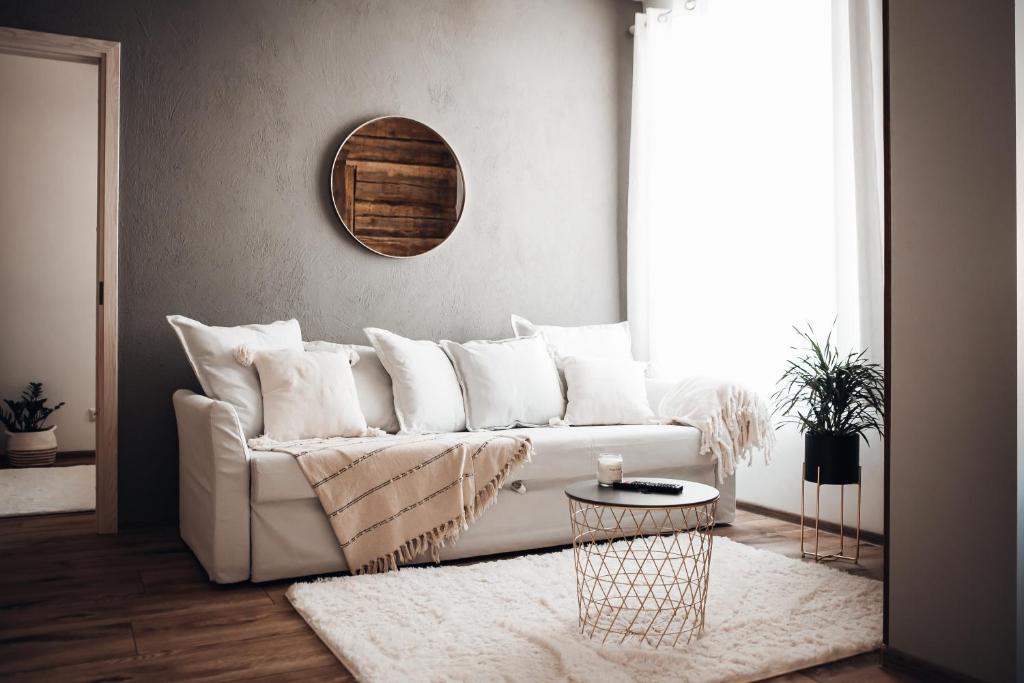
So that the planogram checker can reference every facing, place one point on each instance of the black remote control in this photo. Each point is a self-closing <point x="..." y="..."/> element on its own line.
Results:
<point x="641" y="486"/>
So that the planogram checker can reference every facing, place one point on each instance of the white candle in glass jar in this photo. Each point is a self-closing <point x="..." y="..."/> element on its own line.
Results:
<point x="609" y="468"/>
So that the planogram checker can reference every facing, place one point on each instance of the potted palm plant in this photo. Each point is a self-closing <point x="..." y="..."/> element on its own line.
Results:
<point x="835" y="400"/>
<point x="30" y="443"/>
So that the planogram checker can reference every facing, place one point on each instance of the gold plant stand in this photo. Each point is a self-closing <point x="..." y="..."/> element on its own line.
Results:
<point x="840" y="554"/>
<point x="642" y="561"/>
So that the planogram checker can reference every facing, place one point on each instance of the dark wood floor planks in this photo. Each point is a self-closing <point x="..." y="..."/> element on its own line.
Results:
<point x="75" y="606"/>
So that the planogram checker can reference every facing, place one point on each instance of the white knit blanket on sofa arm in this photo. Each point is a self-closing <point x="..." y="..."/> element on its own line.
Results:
<point x="733" y="421"/>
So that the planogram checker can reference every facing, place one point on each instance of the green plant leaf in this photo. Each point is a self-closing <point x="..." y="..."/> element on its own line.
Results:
<point x="824" y="391"/>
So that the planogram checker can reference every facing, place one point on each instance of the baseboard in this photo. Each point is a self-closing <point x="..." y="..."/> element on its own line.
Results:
<point x="831" y="527"/>
<point x="896" y="660"/>
<point x="76" y="454"/>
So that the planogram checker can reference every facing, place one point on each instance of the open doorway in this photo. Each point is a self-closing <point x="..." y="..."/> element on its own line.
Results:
<point x="58" y="267"/>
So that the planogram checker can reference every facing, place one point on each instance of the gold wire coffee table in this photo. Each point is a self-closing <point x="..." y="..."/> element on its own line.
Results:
<point x="642" y="560"/>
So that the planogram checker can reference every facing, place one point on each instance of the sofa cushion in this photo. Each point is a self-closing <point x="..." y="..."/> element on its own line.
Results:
<point x="211" y="352"/>
<point x="373" y="383"/>
<point x="560" y="454"/>
<point x="507" y="383"/>
<point x="570" y="453"/>
<point x="308" y="394"/>
<point x="428" y="398"/>
<point x="598" y="341"/>
<point x="606" y="391"/>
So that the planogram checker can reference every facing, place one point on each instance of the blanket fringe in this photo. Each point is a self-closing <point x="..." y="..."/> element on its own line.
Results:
<point x="266" y="443"/>
<point x="717" y="438"/>
<point x="432" y="541"/>
<point x="732" y="434"/>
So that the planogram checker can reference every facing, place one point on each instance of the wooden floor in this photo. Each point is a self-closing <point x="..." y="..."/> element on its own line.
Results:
<point x="137" y="607"/>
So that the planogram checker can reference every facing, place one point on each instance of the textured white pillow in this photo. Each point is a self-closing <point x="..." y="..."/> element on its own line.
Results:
<point x="595" y="341"/>
<point x="308" y="394"/>
<point x="606" y="392"/>
<point x="373" y="384"/>
<point x="507" y="383"/>
<point x="211" y="352"/>
<point x="428" y="398"/>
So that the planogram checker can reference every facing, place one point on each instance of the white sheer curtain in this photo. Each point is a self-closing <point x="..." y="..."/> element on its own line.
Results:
<point x="755" y="196"/>
<point x="858" y="168"/>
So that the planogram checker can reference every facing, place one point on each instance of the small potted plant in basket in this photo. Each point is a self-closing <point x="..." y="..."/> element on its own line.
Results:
<point x="30" y="443"/>
<point x="834" y="400"/>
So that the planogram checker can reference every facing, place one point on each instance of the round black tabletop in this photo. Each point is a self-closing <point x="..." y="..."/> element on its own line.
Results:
<point x="693" y="493"/>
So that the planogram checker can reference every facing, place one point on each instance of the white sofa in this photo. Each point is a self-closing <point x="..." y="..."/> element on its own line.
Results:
<point x="251" y="515"/>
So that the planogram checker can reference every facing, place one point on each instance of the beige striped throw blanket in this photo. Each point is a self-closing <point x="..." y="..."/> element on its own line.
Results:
<point x="393" y="498"/>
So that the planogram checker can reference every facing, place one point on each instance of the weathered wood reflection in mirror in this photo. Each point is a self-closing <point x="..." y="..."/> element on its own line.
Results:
<point x="397" y="186"/>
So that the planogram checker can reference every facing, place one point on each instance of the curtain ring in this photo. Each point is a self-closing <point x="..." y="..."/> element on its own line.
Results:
<point x="690" y="5"/>
<point x="663" y="17"/>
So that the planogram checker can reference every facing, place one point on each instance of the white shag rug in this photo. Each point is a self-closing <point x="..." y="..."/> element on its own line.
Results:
<point x="516" y="620"/>
<point x="41" y="490"/>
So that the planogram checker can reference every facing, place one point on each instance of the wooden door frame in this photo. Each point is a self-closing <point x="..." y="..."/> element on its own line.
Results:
<point x="107" y="56"/>
<point x="886" y="320"/>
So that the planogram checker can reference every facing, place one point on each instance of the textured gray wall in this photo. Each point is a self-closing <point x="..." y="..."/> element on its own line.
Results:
<point x="952" y="362"/>
<point x="231" y="114"/>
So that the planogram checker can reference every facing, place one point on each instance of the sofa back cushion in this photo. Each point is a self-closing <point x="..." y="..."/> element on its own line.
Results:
<point x="507" y="383"/>
<point x="373" y="384"/>
<point x="428" y="398"/>
<point x="611" y="341"/>
<point x="211" y="352"/>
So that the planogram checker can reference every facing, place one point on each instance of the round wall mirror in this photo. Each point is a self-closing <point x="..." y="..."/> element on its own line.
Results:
<point x="397" y="186"/>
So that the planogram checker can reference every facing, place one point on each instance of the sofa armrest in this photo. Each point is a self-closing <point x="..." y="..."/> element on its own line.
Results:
<point x="213" y="468"/>
<point x="656" y="390"/>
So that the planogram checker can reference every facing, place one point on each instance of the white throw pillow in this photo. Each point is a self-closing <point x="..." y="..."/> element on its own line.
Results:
<point x="507" y="383"/>
<point x="595" y="341"/>
<point x="347" y="350"/>
<point x="428" y="398"/>
<point x="308" y="394"/>
<point x="606" y="392"/>
<point x="211" y="352"/>
<point x="373" y="383"/>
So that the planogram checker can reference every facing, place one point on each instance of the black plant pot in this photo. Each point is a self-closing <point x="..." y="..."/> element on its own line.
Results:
<point x="838" y="456"/>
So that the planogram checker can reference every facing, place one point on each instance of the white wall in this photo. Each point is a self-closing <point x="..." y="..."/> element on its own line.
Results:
<point x="48" y="134"/>
<point x="777" y="485"/>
